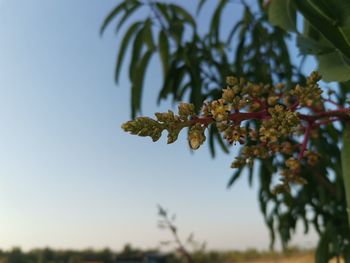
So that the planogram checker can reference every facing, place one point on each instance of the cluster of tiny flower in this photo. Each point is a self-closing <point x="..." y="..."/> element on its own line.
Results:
<point x="266" y="118"/>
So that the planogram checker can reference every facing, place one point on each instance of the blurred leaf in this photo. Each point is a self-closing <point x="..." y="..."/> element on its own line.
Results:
<point x="200" y="6"/>
<point x="136" y="91"/>
<point x="320" y="16"/>
<point x="127" y="14"/>
<point x="309" y="46"/>
<point x="163" y="9"/>
<point x="215" y="22"/>
<point x="333" y="67"/>
<point x="234" y="177"/>
<point x="148" y="35"/>
<point x="161" y="211"/>
<point x="164" y="51"/>
<point x="250" y="174"/>
<point x="136" y="52"/>
<point x="345" y="160"/>
<point x="282" y="13"/>
<point x="322" y="252"/>
<point x="186" y="16"/>
<point x="111" y="16"/>
<point x="123" y="47"/>
<point x="233" y="31"/>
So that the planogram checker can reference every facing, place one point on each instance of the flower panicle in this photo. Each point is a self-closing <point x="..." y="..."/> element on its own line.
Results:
<point x="266" y="119"/>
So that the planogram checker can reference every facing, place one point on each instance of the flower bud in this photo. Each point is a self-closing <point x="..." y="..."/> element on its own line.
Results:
<point x="196" y="136"/>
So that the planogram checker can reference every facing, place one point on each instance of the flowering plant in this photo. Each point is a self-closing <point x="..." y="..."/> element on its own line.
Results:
<point x="271" y="121"/>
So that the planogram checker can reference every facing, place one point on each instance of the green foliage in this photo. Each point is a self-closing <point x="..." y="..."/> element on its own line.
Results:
<point x="326" y="32"/>
<point x="345" y="157"/>
<point x="195" y="66"/>
<point x="283" y="14"/>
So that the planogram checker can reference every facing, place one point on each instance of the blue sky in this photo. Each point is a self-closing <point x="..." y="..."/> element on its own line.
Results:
<point x="69" y="176"/>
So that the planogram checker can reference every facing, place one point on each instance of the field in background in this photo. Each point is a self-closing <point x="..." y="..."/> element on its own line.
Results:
<point x="307" y="257"/>
<point x="131" y="254"/>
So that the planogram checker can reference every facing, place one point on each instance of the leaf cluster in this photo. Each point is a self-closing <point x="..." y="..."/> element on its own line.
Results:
<point x="325" y="33"/>
<point x="196" y="63"/>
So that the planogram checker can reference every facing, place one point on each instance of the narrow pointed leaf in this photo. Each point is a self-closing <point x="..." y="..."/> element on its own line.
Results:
<point x="127" y="14"/>
<point x="215" y="22"/>
<point x="164" y="51"/>
<point x="136" y="52"/>
<point x="184" y="14"/>
<point x="123" y="47"/>
<point x="345" y="160"/>
<point x="200" y="6"/>
<point x="148" y="35"/>
<point x="234" y="177"/>
<point x="136" y="92"/>
<point x="112" y="15"/>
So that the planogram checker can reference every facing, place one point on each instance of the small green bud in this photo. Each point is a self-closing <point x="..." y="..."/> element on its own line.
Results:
<point x="231" y="81"/>
<point x="186" y="109"/>
<point x="196" y="136"/>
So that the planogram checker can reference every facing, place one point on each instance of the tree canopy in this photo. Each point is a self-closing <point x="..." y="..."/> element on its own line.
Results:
<point x="195" y="67"/>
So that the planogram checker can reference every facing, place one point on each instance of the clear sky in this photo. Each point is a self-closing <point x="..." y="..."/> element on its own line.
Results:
<point x="69" y="176"/>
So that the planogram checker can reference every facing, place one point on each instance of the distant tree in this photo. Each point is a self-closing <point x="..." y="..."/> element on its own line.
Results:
<point x="16" y="256"/>
<point x="195" y="65"/>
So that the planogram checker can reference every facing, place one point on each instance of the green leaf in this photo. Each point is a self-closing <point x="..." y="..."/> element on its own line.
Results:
<point x="164" y="51"/>
<point x="322" y="254"/>
<point x="309" y="46"/>
<point x="250" y="174"/>
<point x="136" y="92"/>
<point x="345" y="160"/>
<point x="136" y="52"/>
<point x="163" y="8"/>
<point x="215" y="22"/>
<point x="319" y="16"/>
<point x="200" y="6"/>
<point x="123" y="47"/>
<point x="333" y="67"/>
<point x="148" y="35"/>
<point x="233" y="31"/>
<point x="221" y="143"/>
<point x="234" y="177"/>
<point x="211" y="140"/>
<point x="111" y="16"/>
<point x="186" y="16"/>
<point x="127" y="14"/>
<point x="282" y="13"/>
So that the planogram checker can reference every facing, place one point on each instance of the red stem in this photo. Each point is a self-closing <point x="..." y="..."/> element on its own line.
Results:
<point x="326" y="114"/>
<point x="242" y="116"/>
<point x="237" y="117"/>
<point x="325" y="122"/>
<point x="294" y="106"/>
<point x="306" y="139"/>
<point x="333" y="102"/>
